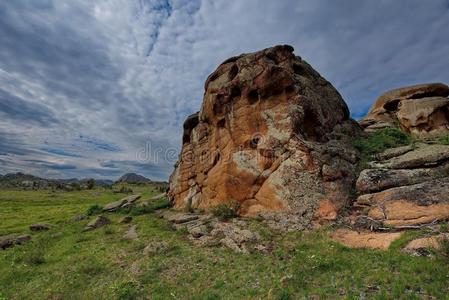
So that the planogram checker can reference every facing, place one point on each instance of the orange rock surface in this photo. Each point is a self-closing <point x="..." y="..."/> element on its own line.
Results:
<point x="273" y="135"/>
<point x="373" y="240"/>
<point x="421" y="110"/>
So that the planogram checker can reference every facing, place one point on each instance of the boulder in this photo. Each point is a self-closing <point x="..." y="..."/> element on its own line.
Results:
<point x="409" y="205"/>
<point x="423" y="156"/>
<point x="12" y="240"/>
<point x="156" y="247"/>
<point x="376" y="180"/>
<point x="40" y="227"/>
<point x="421" y="110"/>
<point x="77" y="218"/>
<point x="181" y="218"/>
<point x="373" y="240"/>
<point x="421" y="245"/>
<point x="131" y="234"/>
<point x="267" y="126"/>
<point x="98" y="222"/>
<point x="126" y="220"/>
<point x="125" y="202"/>
<point x="394" y="152"/>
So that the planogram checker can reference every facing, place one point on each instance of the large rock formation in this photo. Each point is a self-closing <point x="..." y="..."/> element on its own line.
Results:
<point x="409" y="189"/>
<point x="421" y="110"/>
<point x="272" y="134"/>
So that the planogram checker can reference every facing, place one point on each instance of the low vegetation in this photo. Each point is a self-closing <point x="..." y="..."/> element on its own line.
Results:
<point x="379" y="141"/>
<point x="226" y="211"/>
<point x="66" y="263"/>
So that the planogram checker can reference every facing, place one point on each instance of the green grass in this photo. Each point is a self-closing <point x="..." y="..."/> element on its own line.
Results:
<point x="379" y="141"/>
<point x="444" y="140"/>
<point x="66" y="263"/>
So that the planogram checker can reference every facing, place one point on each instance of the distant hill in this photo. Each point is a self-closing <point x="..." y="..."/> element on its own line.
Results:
<point x="133" y="178"/>
<point x="30" y="181"/>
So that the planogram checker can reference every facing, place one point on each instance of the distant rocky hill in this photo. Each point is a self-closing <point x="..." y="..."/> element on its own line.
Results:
<point x="133" y="178"/>
<point x="28" y="181"/>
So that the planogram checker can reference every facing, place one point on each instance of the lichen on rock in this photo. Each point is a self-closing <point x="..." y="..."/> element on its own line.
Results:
<point x="268" y="128"/>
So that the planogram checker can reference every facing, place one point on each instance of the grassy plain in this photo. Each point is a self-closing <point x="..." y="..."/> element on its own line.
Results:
<point x="66" y="263"/>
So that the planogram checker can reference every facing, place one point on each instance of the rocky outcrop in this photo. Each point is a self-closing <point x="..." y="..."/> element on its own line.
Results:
<point x="421" y="246"/>
<point x="98" y="222"/>
<point x="12" y="240"/>
<point x="407" y="190"/>
<point x="122" y="203"/>
<point x="272" y="134"/>
<point x="373" y="240"/>
<point x="207" y="230"/>
<point x="421" y="110"/>
<point x="40" y="227"/>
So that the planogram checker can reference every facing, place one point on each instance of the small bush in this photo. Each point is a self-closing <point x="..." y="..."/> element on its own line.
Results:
<point x="377" y="142"/>
<point x="127" y="290"/>
<point x="443" y="251"/>
<point x="160" y="204"/>
<point x="34" y="257"/>
<point x="444" y="140"/>
<point x="283" y="294"/>
<point x="91" y="267"/>
<point x="94" y="210"/>
<point x="108" y="230"/>
<point x="381" y="140"/>
<point x="226" y="211"/>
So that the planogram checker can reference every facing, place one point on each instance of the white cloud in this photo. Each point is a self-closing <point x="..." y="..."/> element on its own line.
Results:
<point x="125" y="73"/>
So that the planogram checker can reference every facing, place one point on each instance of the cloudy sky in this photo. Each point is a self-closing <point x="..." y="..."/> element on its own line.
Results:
<point x="98" y="88"/>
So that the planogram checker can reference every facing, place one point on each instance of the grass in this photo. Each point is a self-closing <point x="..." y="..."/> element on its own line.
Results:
<point x="444" y="140"/>
<point x="226" y="211"/>
<point x="66" y="263"/>
<point x="379" y="141"/>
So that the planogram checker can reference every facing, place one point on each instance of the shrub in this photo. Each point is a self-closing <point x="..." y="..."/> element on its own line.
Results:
<point x="127" y="290"/>
<point x="90" y="184"/>
<point x="443" y="251"/>
<point x="444" y="140"/>
<point x="226" y="211"/>
<point x="160" y="204"/>
<point x="381" y="140"/>
<point x="94" y="210"/>
<point x="35" y="257"/>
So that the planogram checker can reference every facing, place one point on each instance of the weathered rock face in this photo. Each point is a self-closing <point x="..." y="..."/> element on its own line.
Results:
<point x="271" y="134"/>
<point x="408" y="189"/>
<point x="421" y="110"/>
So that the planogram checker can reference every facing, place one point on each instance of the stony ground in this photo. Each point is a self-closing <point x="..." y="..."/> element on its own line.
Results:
<point x="162" y="263"/>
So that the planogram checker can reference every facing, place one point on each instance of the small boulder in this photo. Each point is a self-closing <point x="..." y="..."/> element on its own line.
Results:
<point x="131" y="234"/>
<point x="40" y="227"/>
<point x="198" y="231"/>
<point x="423" y="156"/>
<point x="180" y="218"/>
<point x="126" y="220"/>
<point x="156" y="247"/>
<point x="98" y="222"/>
<point x="77" y="218"/>
<point x="420" y="246"/>
<point x="373" y="240"/>
<point x="12" y="240"/>
<point x="113" y="206"/>
<point x="394" y="152"/>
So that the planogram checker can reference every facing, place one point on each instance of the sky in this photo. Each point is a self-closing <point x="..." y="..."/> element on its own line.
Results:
<point x="100" y="88"/>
